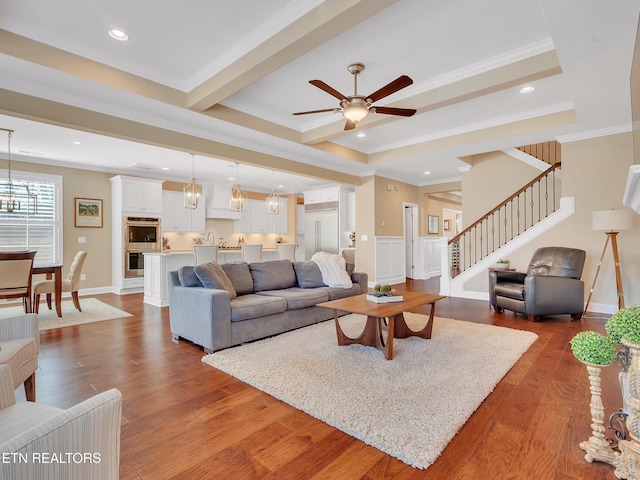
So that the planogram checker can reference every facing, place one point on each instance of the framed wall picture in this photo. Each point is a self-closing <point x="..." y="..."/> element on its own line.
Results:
<point x="446" y="225"/>
<point x="433" y="223"/>
<point x="88" y="212"/>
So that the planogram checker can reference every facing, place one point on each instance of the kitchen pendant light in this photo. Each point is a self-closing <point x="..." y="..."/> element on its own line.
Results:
<point x="192" y="190"/>
<point x="273" y="200"/>
<point x="238" y="197"/>
<point x="13" y="195"/>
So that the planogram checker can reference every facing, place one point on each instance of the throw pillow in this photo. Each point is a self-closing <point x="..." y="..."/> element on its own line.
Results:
<point x="308" y="274"/>
<point x="188" y="277"/>
<point x="274" y="275"/>
<point x="240" y="276"/>
<point x="212" y="275"/>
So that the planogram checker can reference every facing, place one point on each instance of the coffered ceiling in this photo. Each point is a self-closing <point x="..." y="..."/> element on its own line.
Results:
<point x="221" y="80"/>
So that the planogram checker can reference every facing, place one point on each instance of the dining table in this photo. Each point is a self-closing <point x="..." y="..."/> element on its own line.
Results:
<point x="56" y="270"/>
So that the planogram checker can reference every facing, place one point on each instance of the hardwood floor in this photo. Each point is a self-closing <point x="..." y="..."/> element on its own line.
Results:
<point x="185" y="420"/>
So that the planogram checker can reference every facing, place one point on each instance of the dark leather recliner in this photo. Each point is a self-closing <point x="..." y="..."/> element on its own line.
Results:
<point x="551" y="286"/>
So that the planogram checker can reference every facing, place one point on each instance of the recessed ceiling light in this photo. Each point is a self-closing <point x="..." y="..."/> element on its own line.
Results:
<point x="118" y="35"/>
<point x="230" y="178"/>
<point x="361" y="135"/>
<point x="527" y="89"/>
<point x="427" y="173"/>
<point x="77" y="143"/>
<point x="166" y="168"/>
<point x="280" y="186"/>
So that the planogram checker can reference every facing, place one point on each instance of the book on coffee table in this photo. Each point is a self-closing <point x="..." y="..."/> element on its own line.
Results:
<point x="384" y="299"/>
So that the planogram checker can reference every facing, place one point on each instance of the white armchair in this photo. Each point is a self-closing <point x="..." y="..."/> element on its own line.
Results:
<point x="19" y="348"/>
<point x="47" y="443"/>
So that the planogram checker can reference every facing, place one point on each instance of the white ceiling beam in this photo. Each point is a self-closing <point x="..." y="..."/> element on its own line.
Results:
<point x="321" y="24"/>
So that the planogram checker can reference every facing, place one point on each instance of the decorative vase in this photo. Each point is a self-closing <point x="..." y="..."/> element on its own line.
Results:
<point x="597" y="447"/>
<point x="628" y="460"/>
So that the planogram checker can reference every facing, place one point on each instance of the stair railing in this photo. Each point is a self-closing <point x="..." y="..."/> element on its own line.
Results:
<point x="532" y="203"/>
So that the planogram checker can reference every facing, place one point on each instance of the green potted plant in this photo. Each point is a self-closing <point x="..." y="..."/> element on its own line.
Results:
<point x="502" y="264"/>
<point x="593" y="348"/>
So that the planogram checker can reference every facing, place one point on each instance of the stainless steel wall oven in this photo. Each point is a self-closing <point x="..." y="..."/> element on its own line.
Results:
<point x="141" y="235"/>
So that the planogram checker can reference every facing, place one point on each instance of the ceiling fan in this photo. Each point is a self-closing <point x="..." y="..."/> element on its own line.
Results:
<point x="355" y="107"/>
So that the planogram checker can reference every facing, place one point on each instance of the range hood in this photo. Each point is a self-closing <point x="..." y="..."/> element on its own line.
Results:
<point x="218" y="203"/>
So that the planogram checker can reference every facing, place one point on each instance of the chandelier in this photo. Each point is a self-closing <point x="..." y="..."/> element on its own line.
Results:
<point x="273" y="200"/>
<point x="13" y="195"/>
<point x="238" y="197"/>
<point x="192" y="190"/>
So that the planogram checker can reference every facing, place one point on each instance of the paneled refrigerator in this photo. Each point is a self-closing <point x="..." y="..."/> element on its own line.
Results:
<point x="321" y="228"/>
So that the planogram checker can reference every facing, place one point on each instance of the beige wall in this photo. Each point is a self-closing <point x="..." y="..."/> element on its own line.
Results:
<point x="389" y="211"/>
<point x="365" y="225"/>
<point x="594" y="172"/>
<point x="85" y="184"/>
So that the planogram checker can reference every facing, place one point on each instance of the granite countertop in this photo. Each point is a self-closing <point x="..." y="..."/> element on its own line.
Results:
<point x="190" y="252"/>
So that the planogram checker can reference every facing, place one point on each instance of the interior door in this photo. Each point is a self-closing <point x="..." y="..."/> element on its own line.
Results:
<point x="408" y="241"/>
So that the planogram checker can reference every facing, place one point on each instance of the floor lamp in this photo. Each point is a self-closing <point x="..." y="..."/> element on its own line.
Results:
<point x="612" y="222"/>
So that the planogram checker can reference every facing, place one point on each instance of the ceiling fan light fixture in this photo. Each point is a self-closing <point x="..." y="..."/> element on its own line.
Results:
<point x="355" y="113"/>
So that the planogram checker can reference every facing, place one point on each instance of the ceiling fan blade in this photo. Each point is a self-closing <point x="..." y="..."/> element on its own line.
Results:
<point x="398" y="84"/>
<point x="403" y="112"/>
<point x="331" y="91"/>
<point x="317" y="111"/>
<point x="349" y="125"/>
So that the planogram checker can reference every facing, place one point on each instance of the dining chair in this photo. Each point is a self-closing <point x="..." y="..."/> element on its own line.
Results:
<point x="16" y="271"/>
<point x="205" y="253"/>
<point x="70" y="284"/>
<point x="252" y="252"/>
<point x="286" y="251"/>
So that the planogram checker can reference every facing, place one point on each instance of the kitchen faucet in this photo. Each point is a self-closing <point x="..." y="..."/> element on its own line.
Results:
<point x="213" y="238"/>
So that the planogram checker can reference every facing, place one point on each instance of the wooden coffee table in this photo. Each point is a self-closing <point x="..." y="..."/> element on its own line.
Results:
<point x="377" y="313"/>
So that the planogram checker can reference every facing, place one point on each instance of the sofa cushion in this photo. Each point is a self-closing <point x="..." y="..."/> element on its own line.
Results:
<point x="308" y="274"/>
<point x="188" y="277"/>
<point x="251" y="305"/>
<point x="298" y="297"/>
<point x="337" y="292"/>
<point x="274" y="275"/>
<point x="212" y="275"/>
<point x="240" y="276"/>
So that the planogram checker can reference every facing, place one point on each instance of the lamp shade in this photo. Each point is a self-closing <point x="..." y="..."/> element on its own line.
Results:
<point x="612" y="220"/>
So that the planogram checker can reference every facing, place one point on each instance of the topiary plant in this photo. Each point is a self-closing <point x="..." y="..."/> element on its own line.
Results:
<point x="593" y="348"/>
<point x="625" y="323"/>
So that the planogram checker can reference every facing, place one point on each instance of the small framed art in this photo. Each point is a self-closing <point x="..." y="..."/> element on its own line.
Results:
<point x="88" y="212"/>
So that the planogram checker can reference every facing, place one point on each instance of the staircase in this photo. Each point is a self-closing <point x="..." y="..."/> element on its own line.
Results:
<point x="529" y="212"/>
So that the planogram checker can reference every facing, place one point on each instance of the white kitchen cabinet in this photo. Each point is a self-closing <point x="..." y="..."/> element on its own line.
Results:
<point x="176" y="218"/>
<point x="300" y="219"/>
<point x="243" y="225"/>
<point x="255" y="219"/>
<point x="260" y="221"/>
<point x="280" y="222"/>
<point x="141" y="195"/>
<point x="321" y="195"/>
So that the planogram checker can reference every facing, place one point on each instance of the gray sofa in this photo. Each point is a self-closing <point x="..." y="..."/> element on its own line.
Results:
<point x="251" y="301"/>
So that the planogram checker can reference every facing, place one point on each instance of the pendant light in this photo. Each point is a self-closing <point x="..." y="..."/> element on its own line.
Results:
<point x="12" y="195"/>
<point x="238" y="197"/>
<point x="273" y="200"/>
<point x="192" y="190"/>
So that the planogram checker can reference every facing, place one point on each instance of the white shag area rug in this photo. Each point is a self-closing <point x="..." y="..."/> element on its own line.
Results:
<point x="93" y="310"/>
<point x="409" y="407"/>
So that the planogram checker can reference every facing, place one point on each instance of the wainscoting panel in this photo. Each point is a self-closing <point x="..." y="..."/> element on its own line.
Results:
<point x="429" y="260"/>
<point x="390" y="260"/>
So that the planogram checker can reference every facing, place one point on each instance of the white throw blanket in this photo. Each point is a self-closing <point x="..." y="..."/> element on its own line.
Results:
<point x="334" y="269"/>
